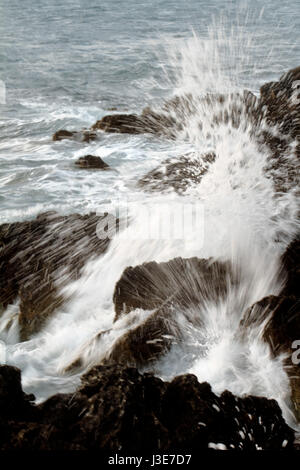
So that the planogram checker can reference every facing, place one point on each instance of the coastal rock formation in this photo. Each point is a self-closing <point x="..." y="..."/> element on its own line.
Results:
<point x="89" y="161"/>
<point x="148" y="122"/>
<point x="282" y="332"/>
<point x="80" y="136"/>
<point x="177" y="173"/>
<point x="116" y="407"/>
<point x="282" y="316"/>
<point x="291" y="264"/>
<point x="279" y="110"/>
<point x="281" y="103"/>
<point x="120" y="123"/>
<point x="119" y="409"/>
<point x="36" y="254"/>
<point x="183" y="282"/>
<point x="179" y="285"/>
<point x="148" y="341"/>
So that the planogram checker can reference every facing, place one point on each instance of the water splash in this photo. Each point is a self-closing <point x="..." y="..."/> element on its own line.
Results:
<point x="245" y="221"/>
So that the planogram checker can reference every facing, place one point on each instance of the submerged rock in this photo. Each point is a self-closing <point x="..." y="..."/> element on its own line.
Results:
<point x="40" y="256"/>
<point x="89" y="161"/>
<point x="80" y="136"/>
<point x="119" y="409"/>
<point x="63" y="134"/>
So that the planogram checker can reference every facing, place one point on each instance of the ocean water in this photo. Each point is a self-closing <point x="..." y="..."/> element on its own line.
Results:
<point x="65" y="65"/>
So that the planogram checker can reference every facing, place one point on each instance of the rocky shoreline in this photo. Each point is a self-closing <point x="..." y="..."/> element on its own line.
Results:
<point x="116" y="407"/>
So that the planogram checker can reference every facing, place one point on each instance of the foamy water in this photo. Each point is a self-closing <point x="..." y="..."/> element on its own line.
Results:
<point x="244" y="221"/>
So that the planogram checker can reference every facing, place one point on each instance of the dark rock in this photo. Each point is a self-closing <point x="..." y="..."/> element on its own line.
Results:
<point x="282" y="332"/>
<point x="87" y="136"/>
<point x="80" y="136"/>
<point x="148" y="122"/>
<point x="36" y="254"/>
<point x="120" y="410"/>
<point x="146" y="342"/>
<point x="279" y="108"/>
<point x="89" y="161"/>
<point x="178" y="174"/>
<point x="63" y="134"/>
<point x="183" y="282"/>
<point x="281" y="102"/>
<point x="14" y="403"/>
<point x="291" y="264"/>
<point x="120" y="123"/>
<point x="282" y="316"/>
<point x="183" y="285"/>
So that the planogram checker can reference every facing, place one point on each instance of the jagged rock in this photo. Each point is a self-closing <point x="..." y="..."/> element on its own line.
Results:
<point x="63" y="134"/>
<point x="281" y="101"/>
<point x="177" y="285"/>
<point x="282" y="331"/>
<point x="89" y="161"/>
<point x="181" y="281"/>
<point x="119" y="409"/>
<point x="147" y="342"/>
<point x="177" y="173"/>
<point x="120" y="123"/>
<point x="279" y="108"/>
<point x="80" y="136"/>
<point x="36" y="254"/>
<point x="147" y="122"/>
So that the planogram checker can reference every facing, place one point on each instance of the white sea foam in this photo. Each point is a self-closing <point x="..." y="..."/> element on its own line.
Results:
<point x="245" y="221"/>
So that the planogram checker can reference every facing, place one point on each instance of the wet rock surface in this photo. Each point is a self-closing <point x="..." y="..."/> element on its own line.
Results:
<point x="178" y="174"/>
<point x="182" y="281"/>
<point x="281" y="102"/>
<point x="148" y="121"/>
<point x="36" y="254"/>
<point x="175" y="291"/>
<point x="282" y="316"/>
<point x="279" y="106"/>
<point x="80" y="136"/>
<point x="120" y="123"/>
<point x="118" y="409"/>
<point x="90" y="161"/>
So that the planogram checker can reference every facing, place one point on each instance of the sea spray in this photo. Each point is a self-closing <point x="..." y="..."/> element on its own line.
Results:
<point x="244" y="221"/>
